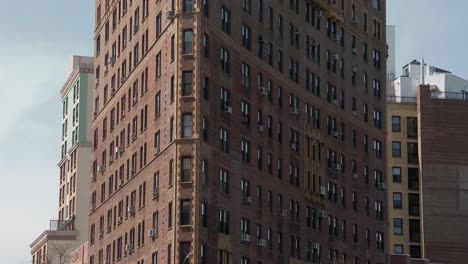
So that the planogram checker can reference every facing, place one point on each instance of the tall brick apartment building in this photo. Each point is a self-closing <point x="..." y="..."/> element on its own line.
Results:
<point x="239" y="132"/>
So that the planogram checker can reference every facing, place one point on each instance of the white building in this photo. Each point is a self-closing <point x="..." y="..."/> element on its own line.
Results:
<point x="70" y="230"/>
<point x="443" y="82"/>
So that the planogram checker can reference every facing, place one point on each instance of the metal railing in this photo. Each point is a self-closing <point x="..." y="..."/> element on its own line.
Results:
<point x="61" y="225"/>
<point x="401" y="99"/>
<point x="461" y="96"/>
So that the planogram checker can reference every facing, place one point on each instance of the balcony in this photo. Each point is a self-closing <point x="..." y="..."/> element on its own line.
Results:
<point x="324" y="4"/>
<point x="62" y="225"/>
<point x="336" y="12"/>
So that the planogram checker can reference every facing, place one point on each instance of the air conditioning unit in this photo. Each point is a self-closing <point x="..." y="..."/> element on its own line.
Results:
<point x="121" y="180"/>
<point x="321" y="13"/>
<point x="109" y="228"/>
<point x="136" y="27"/>
<point x="228" y="109"/>
<point x="129" y="248"/>
<point x="283" y="213"/>
<point x="316" y="246"/>
<point x="155" y="192"/>
<point x="354" y="113"/>
<point x="337" y="166"/>
<point x="247" y="199"/>
<point x="245" y="119"/>
<point x="101" y="233"/>
<point x="152" y="233"/>
<point x="322" y="214"/>
<point x="354" y="50"/>
<point x="170" y="14"/>
<point x="355" y="176"/>
<point x="135" y="100"/>
<point x="260" y="128"/>
<point x="355" y="19"/>
<point x="293" y="110"/>
<point x="131" y="209"/>
<point x="336" y="57"/>
<point x="323" y="190"/>
<point x="134" y="136"/>
<point x="122" y="115"/>
<point x="293" y="146"/>
<point x="113" y="91"/>
<point x="245" y="238"/>
<point x="93" y="177"/>
<point x="354" y="69"/>
<point x="261" y="242"/>
<point x="100" y="168"/>
<point x="381" y="186"/>
<point x="106" y="70"/>
<point x="111" y="60"/>
<point x="262" y="91"/>
<point x="123" y="79"/>
<point x="97" y="81"/>
<point x="157" y="150"/>
<point x="119" y="150"/>
<point x="336" y="36"/>
<point x="94" y="114"/>
<point x="336" y="134"/>
<point x="337" y="102"/>
<point x="120" y="220"/>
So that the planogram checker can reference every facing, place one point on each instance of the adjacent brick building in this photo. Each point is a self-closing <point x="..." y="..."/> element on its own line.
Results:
<point x="427" y="149"/>
<point x="239" y="131"/>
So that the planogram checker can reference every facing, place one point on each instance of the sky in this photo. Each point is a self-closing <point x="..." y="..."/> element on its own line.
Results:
<point x="35" y="46"/>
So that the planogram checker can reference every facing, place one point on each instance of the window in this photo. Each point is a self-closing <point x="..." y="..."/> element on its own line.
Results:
<point x="225" y="20"/>
<point x="415" y="230"/>
<point x="413" y="153"/>
<point x="396" y="171"/>
<point x="396" y="126"/>
<point x="413" y="179"/>
<point x="245" y="148"/>
<point x="398" y="226"/>
<point x="397" y="203"/>
<point x="187" y="83"/>
<point x="246" y="40"/>
<point x="224" y="181"/>
<point x="158" y="65"/>
<point x="185" y="212"/>
<point x="169" y="216"/>
<point x="415" y="251"/>
<point x="398" y="249"/>
<point x="158" y="104"/>
<point x="224" y="221"/>
<point x="412" y="123"/>
<point x="188" y="42"/>
<point x="188" y="6"/>
<point x="158" y="25"/>
<point x="245" y="71"/>
<point x="186" y="173"/>
<point x="396" y="149"/>
<point x="205" y="45"/>
<point x="206" y="9"/>
<point x="186" y="125"/>
<point x="203" y="214"/>
<point x="413" y="204"/>
<point x="224" y="139"/>
<point x="225" y="60"/>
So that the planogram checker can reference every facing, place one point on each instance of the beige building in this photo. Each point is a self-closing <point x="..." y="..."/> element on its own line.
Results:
<point x="70" y="230"/>
<point x="403" y="177"/>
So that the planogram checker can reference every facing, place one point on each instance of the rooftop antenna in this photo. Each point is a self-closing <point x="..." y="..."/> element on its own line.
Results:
<point x="422" y="72"/>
